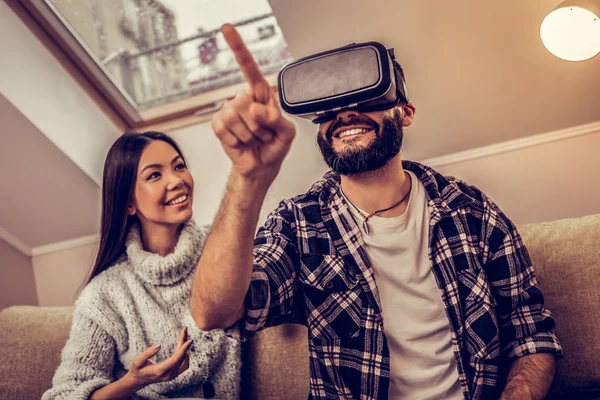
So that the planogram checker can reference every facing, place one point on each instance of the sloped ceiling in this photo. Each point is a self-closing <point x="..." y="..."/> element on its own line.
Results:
<point x="54" y="139"/>
<point x="45" y="197"/>
<point x="477" y="71"/>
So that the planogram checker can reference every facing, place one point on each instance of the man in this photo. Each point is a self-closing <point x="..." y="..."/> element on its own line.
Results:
<point x="412" y="284"/>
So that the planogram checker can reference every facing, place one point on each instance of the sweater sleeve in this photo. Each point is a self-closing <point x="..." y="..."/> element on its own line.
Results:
<point x="87" y="360"/>
<point x="217" y="356"/>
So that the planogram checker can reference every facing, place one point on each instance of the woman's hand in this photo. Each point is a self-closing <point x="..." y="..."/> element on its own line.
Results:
<point x="145" y="372"/>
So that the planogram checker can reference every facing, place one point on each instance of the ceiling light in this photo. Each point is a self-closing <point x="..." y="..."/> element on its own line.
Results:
<point x="572" y="30"/>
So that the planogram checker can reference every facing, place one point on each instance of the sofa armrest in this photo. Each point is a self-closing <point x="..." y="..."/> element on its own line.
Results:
<point x="32" y="339"/>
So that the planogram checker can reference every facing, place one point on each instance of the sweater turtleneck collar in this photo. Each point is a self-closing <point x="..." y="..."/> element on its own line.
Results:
<point x="172" y="268"/>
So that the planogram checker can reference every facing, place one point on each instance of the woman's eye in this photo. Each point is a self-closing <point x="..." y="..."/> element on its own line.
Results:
<point x="180" y="166"/>
<point x="153" y="175"/>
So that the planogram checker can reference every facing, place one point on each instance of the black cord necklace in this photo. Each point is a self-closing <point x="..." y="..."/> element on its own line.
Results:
<point x="366" y="217"/>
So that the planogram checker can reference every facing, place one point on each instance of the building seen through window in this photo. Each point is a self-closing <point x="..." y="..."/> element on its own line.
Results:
<point x="158" y="52"/>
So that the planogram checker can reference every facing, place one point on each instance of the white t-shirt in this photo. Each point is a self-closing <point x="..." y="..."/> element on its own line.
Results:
<point x="422" y="362"/>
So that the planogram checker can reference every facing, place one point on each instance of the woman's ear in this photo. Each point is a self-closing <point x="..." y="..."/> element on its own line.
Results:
<point x="131" y="210"/>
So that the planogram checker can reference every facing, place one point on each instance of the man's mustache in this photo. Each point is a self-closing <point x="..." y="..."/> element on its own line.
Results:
<point x="359" y="120"/>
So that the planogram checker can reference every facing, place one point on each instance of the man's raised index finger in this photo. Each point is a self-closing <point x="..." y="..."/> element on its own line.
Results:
<point x="258" y="84"/>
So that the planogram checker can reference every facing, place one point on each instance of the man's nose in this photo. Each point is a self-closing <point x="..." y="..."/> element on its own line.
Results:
<point x="346" y="114"/>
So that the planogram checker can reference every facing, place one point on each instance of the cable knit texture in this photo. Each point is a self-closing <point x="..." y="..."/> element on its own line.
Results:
<point x="141" y="301"/>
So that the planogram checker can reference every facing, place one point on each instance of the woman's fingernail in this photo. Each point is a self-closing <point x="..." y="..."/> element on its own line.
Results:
<point x="156" y="347"/>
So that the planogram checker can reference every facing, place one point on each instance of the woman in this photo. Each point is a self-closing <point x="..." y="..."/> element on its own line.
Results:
<point x="135" y="306"/>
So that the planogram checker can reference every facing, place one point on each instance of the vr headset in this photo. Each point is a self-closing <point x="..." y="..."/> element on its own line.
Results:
<point x="358" y="76"/>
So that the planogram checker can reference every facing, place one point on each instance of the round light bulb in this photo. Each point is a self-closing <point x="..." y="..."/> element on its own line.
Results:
<point x="571" y="33"/>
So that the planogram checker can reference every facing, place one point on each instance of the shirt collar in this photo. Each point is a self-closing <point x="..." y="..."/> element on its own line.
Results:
<point x="445" y="194"/>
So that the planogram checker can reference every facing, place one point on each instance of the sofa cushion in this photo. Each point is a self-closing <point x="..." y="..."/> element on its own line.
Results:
<point x="32" y="339"/>
<point x="566" y="257"/>
<point x="278" y="364"/>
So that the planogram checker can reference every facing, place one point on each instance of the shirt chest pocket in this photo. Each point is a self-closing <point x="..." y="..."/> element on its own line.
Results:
<point x="332" y="297"/>
<point x="482" y="338"/>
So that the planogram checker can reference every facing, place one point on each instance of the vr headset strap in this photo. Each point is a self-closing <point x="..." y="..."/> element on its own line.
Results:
<point x="400" y="84"/>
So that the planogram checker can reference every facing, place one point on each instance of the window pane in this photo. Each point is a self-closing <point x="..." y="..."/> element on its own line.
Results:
<point x="161" y="51"/>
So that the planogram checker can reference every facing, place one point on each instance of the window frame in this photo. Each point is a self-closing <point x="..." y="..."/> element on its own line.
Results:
<point x="184" y="112"/>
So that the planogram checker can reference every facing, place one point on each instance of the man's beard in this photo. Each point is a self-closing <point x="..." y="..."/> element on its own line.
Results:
<point x="356" y="160"/>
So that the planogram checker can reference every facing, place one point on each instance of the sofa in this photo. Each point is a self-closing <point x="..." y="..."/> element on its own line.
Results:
<point x="566" y="254"/>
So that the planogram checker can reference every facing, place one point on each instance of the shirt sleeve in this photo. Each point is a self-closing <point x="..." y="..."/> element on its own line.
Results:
<point x="272" y="298"/>
<point x="526" y="327"/>
<point x="87" y="361"/>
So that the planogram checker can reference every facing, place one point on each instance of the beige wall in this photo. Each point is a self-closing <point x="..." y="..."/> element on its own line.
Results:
<point x="60" y="275"/>
<point x="542" y="183"/>
<point x="17" y="285"/>
<point x="535" y="184"/>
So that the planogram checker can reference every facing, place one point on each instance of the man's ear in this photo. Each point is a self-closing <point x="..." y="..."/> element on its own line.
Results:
<point x="408" y="114"/>
<point x="131" y="210"/>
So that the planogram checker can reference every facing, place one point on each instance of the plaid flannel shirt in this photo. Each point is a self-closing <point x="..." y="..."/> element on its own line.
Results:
<point x="311" y="267"/>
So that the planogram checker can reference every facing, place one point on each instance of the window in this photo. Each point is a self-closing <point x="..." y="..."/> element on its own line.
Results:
<point x="154" y="60"/>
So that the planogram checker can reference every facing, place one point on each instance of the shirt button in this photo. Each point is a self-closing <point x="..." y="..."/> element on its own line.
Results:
<point x="329" y="285"/>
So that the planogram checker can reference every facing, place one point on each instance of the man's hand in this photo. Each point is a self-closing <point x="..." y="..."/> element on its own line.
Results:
<point x="251" y="128"/>
<point x="256" y="137"/>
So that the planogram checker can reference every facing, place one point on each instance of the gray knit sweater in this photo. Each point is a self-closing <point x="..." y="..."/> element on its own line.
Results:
<point x="140" y="301"/>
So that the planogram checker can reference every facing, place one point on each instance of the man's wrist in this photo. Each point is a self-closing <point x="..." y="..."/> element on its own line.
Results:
<point x="515" y="390"/>
<point x="247" y="192"/>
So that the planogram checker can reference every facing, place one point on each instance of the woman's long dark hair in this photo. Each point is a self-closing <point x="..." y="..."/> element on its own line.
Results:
<point x="118" y="184"/>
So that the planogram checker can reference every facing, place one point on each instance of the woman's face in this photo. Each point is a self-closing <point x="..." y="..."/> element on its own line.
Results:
<point x="164" y="188"/>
